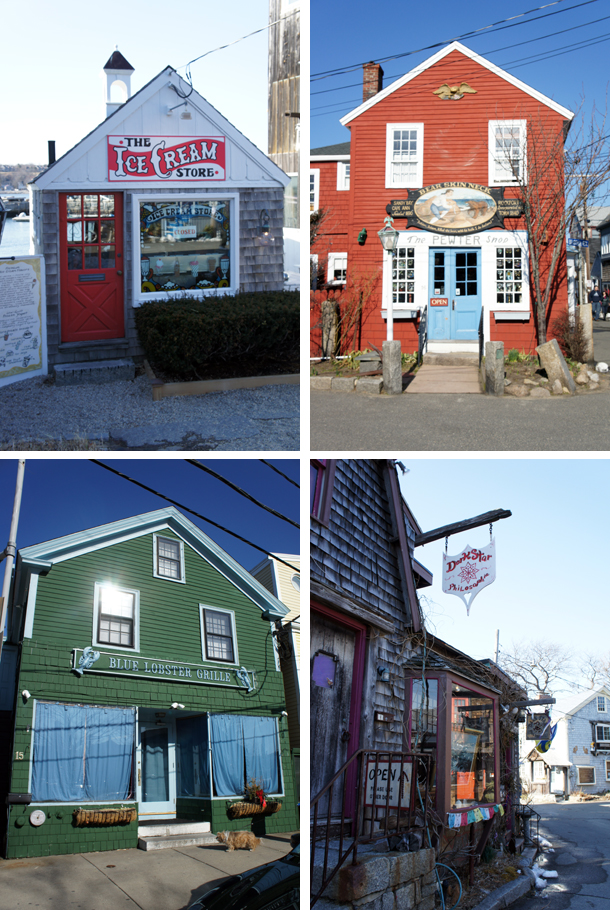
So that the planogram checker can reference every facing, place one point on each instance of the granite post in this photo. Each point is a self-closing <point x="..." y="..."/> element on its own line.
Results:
<point x="584" y="317"/>
<point x="554" y="363"/>
<point x="494" y="367"/>
<point x="392" y="367"/>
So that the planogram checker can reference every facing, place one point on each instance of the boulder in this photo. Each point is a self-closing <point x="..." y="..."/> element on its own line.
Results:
<point x="517" y="390"/>
<point x="539" y="392"/>
<point x="583" y="378"/>
<point x="554" y="364"/>
<point x="557" y="388"/>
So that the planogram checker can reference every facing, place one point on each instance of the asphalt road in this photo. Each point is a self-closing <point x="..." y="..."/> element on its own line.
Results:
<point x="359" y="422"/>
<point x="580" y="835"/>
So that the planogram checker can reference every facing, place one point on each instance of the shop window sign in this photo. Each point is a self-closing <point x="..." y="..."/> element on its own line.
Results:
<point x="185" y="245"/>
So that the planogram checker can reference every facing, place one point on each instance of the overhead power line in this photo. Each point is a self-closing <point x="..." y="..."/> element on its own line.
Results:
<point x="489" y="29"/>
<point x="233" y="486"/>
<point x="192" y="512"/>
<point x="277" y="471"/>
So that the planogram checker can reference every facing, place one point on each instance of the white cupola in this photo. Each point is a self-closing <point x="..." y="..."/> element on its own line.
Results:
<point x="117" y="82"/>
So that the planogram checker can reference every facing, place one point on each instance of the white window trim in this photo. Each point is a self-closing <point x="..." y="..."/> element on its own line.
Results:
<point x="331" y="268"/>
<point x="136" y="617"/>
<point x="603" y="739"/>
<point x="419" y="178"/>
<point x="182" y="579"/>
<point x="604" y="701"/>
<point x="588" y="768"/>
<point x="522" y="124"/>
<point x="315" y="173"/>
<point x="607" y="769"/>
<point x="138" y="297"/>
<point x="209" y="660"/>
<point x="343" y="178"/>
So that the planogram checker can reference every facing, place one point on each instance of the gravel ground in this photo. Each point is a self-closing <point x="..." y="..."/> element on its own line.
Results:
<point x="121" y="416"/>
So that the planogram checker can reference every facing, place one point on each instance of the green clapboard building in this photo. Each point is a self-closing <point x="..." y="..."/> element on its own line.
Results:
<point x="148" y="684"/>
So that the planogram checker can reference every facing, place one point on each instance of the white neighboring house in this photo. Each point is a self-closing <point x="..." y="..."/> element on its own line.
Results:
<point x="579" y="757"/>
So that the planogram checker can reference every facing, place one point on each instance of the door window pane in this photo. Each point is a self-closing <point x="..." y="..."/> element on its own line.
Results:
<point x="75" y="231"/>
<point x="73" y="205"/>
<point x="155" y="766"/>
<point x="91" y="258"/>
<point x="107" y="231"/>
<point x="107" y="206"/>
<point x="91" y="231"/>
<point x="75" y="258"/>
<point x="90" y="205"/>
<point x="107" y="257"/>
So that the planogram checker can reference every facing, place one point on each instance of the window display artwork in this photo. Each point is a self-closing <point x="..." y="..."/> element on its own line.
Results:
<point x="472" y="749"/>
<point x="185" y="245"/>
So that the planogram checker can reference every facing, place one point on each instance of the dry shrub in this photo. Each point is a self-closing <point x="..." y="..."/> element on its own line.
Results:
<point x="570" y="337"/>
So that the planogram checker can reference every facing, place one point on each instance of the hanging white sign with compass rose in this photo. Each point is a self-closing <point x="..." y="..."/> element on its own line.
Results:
<point x="469" y="572"/>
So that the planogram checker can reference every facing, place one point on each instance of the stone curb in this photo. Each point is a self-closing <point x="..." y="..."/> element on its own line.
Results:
<point x="512" y="891"/>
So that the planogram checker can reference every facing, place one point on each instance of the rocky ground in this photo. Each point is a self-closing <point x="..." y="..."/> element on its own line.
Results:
<point x="525" y="379"/>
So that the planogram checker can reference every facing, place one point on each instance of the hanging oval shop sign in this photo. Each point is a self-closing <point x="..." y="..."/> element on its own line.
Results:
<point x="469" y="572"/>
<point x="455" y="208"/>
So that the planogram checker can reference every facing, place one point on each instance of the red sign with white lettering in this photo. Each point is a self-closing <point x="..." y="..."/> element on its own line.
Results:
<point x="439" y="301"/>
<point x="171" y="159"/>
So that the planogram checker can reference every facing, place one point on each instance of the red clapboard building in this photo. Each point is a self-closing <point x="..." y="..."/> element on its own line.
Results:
<point x="441" y="151"/>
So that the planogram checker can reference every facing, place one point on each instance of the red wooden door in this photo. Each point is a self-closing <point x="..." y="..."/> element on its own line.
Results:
<point x="91" y="270"/>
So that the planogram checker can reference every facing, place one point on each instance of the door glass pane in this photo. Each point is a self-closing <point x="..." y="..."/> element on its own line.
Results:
<point x="73" y="205"/>
<point x="75" y="258"/>
<point x="155" y="766"/>
<point x="90" y="231"/>
<point x="90" y="205"/>
<point x="107" y="231"/>
<point x="91" y="260"/>
<point x="107" y="257"/>
<point x="107" y="206"/>
<point x="75" y="231"/>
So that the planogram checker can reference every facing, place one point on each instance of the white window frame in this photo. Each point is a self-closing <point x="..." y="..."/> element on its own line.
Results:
<point x="156" y="573"/>
<point x="602" y="739"/>
<point x="314" y="190"/>
<point x="210" y="660"/>
<point x="343" y="175"/>
<point x="607" y="769"/>
<point x="136" y="618"/>
<point x="332" y="257"/>
<point x="138" y="297"/>
<point x="416" y="181"/>
<point x="538" y="771"/>
<point x="510" y="181"/>
<point x="601" y="699"/>
<point x="588" y="768"/>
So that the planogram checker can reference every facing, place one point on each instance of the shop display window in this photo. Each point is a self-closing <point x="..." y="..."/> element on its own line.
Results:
<point x="185" y="245"/>
<point x="82" y="753"/>
<point x="455" y="722"/>
<point x="244" y="748"/>
<point x="509" y="275"/>
<point x="403" y="276"/>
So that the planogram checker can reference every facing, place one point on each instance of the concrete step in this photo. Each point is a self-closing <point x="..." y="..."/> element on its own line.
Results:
<point x="163" y="829"/>
<point x="94" y="371"/>
<point x="176" y="840"/>
<point x="452" y="358"/>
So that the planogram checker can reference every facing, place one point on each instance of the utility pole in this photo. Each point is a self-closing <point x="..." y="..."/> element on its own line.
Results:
<point x="10" y="550"/>
<point x="497" y="644"/>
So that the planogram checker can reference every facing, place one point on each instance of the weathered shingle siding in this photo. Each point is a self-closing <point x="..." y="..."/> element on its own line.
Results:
<point x="580" y="736"/>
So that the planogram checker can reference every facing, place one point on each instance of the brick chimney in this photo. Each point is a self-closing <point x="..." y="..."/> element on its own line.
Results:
<point x="373" y="80"/>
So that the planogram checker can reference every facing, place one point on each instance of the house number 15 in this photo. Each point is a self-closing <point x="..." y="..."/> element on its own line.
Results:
<point x="18" y="756"/>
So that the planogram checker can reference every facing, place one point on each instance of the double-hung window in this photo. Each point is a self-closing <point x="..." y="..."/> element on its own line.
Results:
<point x="404" y="154"/>
<point x="168" y="558"/>
<point x="218" y="635"/>
<point x="602" y="735"/>
<point x="115" y="622"/>
<point x="314" y="190"/>
<point x="342" y="175"/>
<point x="506" y="152"/>
<point x="601" y="704"/>
<point x="337" y="268"/>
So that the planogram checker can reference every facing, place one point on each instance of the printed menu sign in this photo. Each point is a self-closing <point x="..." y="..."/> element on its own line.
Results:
<point x="22" y="319"/>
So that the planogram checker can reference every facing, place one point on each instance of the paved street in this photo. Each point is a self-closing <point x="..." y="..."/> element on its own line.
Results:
<point x="358" y="422"/>
<point x="580" y="835"/>
<point x="168" y="879"/>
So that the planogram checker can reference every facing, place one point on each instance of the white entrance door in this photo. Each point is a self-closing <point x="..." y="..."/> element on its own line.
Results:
<point x="157" y="771"/>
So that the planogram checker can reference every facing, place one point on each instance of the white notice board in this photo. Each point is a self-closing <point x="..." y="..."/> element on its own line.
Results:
<point x="23" y="319"/>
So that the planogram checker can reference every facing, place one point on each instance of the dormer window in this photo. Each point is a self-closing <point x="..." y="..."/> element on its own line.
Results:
<point x="168" y="558"/>
<point x="602" y="704"/>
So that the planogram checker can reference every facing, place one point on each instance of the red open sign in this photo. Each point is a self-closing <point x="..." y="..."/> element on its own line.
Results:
<point x="439" y="301"/>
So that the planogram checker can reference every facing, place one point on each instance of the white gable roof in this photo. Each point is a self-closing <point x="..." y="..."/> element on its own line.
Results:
<point x="145" y="114"/>
<point x="456" y="46"/>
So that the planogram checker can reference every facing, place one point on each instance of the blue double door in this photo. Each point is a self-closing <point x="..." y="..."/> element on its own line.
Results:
<point x="454" y="292"/>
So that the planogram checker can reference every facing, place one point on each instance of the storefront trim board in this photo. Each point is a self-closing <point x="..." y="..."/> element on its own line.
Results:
<point x="487" y="242"/>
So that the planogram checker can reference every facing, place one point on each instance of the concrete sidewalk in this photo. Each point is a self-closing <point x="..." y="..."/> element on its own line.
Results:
<point x="159" y="880"/>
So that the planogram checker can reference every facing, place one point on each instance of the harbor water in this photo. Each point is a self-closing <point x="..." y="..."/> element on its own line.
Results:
<point x="15" y="239"/>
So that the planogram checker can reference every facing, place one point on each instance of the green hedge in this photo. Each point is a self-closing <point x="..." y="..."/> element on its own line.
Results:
<point x="187" y="334"/>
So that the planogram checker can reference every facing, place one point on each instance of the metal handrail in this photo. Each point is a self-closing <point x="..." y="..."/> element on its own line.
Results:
<point x="481" y="337"/>
<point x="406" y="796"/>
<point x="423" y="335"/>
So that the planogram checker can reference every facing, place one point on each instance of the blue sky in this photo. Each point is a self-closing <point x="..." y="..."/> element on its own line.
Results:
<point x="61" y="496"/>
<point x="552" y="554"/>
<point x="345" y="33"/>
<point x="52" y="83"/>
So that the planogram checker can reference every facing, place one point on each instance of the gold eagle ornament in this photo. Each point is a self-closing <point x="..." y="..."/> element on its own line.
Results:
<point x="454" y="92"/>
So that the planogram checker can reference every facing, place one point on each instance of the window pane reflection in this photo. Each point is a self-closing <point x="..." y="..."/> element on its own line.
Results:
<point x="472" y="748"/>
<point x="75" y="232"/>
<point x="74" y="206"/>
<point x="91" y="260"/>
<point x="90" y="205"/>
<point x="107" y="257"/>
<point x="75" y="258"/>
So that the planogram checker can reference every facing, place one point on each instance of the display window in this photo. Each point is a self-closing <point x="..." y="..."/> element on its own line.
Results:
<point x="186" y="245"/>
<point x="455" y="722"/>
